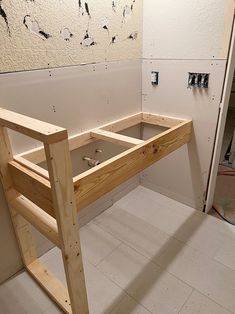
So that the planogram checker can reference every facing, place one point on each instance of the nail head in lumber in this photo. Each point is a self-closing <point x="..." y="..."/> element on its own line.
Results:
<point x="116" y="138"/>
<point x="32" y="185"/>
<point x="43" y="222"/>
<point x="94" y="183"/>
<point x="39" y="130"/>
<point x="54" y="288"/>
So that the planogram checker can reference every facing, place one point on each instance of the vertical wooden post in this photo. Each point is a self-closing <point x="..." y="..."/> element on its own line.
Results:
<point x="21" y="226"/>
<point x="60" y="172"/>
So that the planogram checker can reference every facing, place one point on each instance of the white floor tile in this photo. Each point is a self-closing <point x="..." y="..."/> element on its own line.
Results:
<point x="199" y="304"/>
<point x="155" y="289"/>
<point x="204" y="274"/>
<point x="96" y="243"/>
<point x="135" y="232"/>
<point x="129" y="306"/>
<point x="22" y="295"/>
<point x="156" y="210"/>
<point x="187" y="249"/>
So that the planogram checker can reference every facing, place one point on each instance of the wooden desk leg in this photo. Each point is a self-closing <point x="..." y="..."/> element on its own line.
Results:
<point x="60" y="172"/>
<point x="21" y="226"/>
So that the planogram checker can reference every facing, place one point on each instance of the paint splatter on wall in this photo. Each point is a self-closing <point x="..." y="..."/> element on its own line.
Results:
<point x="36" y="34"/>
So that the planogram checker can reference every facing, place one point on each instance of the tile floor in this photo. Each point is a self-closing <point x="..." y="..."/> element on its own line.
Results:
<point x="146" y="254"/>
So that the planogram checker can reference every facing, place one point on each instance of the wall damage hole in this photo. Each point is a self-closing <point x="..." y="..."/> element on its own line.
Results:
<point x="4" y="16"/>
<point x="80" y="7"/>
<point x="33" y="26"/>
<point x="87" y="9"/>
<point x="114" y="39"/>
<point x="84" y="8"/>
<point x="133" y="36"/>
<point x="115" y="5"/>
<point x="105" y="23"/>
<point x="66" y="34"/>
<point x="127" y="11"/>
<point x="88" y="41"/>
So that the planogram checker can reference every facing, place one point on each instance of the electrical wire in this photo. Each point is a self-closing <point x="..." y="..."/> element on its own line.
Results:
<point x="225" y="173"/>
<point x="223" y="217"/>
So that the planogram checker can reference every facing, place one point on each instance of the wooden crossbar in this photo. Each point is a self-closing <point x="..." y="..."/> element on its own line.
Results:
<point x="49" y="200"/>
<point x="43" y="222"/>
<point x="115" y="138"/>
<point x="54" y="288"/>
<point x="41" y="131"/>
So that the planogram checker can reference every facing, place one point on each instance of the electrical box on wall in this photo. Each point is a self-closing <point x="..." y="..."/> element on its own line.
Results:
<point x="154" y="78"/>
<point x="198" y="80"/>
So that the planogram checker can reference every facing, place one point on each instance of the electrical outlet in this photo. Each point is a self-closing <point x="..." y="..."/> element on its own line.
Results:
<point x="154" y="78"/>
<point x="198" y="80"/>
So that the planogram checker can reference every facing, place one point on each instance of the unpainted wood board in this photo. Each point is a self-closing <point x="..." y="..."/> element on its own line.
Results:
<point x="33" y="186"/>
<point x="94" y="183"/>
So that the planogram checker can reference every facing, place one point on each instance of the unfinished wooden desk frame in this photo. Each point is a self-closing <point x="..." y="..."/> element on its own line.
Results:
<point x="49" y="200"/>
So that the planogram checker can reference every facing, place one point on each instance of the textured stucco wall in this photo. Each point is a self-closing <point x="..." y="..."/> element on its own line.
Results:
<point x="78" y="32"/>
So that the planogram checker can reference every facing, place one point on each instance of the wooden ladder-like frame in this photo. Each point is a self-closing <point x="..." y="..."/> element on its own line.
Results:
<point x="49" y="200"/>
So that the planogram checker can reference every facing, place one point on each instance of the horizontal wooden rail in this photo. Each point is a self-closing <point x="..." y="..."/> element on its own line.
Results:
<point x="33" y="186"/>
<point x="116" y="138"/>
<point x="53" y="286"/>
<point x="94" y="183"/>
<point x="41" y="131"/>
<point x="43" y="222"/>
<point x="31" y="166"/>
<point x="37" y="155"/>
<point x="163" y="121"/>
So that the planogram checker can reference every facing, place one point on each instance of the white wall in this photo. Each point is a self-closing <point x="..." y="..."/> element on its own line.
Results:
<point x="78" y="98"/>
<point x="180" y="37"/>
<point x="187" y="29"/>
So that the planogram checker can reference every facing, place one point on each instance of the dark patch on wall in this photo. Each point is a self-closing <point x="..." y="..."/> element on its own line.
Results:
<point x="104" y="23"/>
<point x="114" y="5"/>
<point x="80" y="7"/>
<point x="33" y="26"/>
<point x="4" y="16"/>
<point x="133" y="36"/>
<point x="114" y="39"/>
<point x="44" y="34"/>
<point x="88" y="41"/>
<point x="87" y="9"/>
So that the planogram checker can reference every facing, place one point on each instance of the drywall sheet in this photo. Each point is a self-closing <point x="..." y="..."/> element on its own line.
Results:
<point x="78" y="98"/>
<point x="196" y="29"/>
<point x="183" y="175"/>
<point x="43" y="34"/>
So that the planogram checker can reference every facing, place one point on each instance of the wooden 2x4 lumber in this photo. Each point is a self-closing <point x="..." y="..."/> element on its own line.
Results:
<point x="116" y="138"/>
<point x="160" y="120"/>
<point x="94" y="183"/>
<point x="60" y="170"/>
<point x="39" y="130"/>
<point x="37" y="155"/>
<point x="43" y="222"/>
<point x="36" y="188"/>
<point x="31" y="166"/>
<point x="52" y="286"/>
